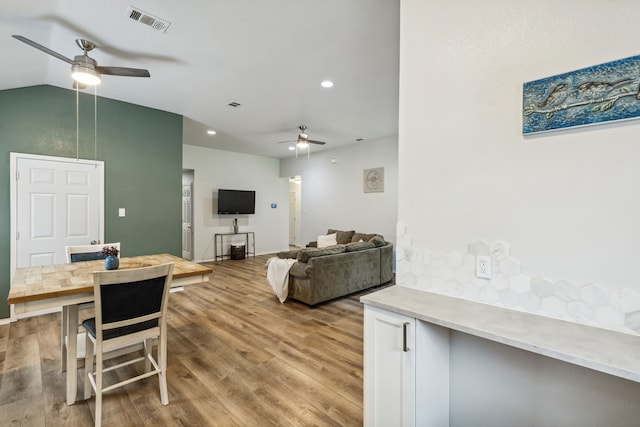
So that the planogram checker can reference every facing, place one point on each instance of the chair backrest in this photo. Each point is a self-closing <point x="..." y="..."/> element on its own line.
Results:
<point x="131" y="300"/>
<point x="79" y="253"/>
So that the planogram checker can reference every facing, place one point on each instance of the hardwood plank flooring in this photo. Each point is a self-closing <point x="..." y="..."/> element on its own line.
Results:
<point x="237" y="357"/>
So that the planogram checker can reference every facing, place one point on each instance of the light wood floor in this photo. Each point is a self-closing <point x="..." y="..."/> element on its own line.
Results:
<point x="237" y="357"/>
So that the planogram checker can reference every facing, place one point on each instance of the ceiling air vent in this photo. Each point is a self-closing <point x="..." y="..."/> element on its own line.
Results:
<point x="148" y="20"/>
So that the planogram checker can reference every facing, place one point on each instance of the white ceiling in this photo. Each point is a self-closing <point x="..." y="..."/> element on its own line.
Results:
<point x="269" y="56"/>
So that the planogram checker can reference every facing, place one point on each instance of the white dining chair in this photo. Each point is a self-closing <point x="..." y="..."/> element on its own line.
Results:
<point x="130" y="308"/>
<point x="78" y="253"/>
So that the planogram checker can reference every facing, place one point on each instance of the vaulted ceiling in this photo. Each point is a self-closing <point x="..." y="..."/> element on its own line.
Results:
<point x="269" y="56"/>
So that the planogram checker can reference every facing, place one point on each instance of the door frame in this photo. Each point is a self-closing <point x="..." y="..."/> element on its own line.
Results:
<point x="13" y="199"/>
<point x="295" y="186"/>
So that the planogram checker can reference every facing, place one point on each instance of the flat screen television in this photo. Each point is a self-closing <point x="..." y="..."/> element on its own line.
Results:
<point x="234" y="202"/>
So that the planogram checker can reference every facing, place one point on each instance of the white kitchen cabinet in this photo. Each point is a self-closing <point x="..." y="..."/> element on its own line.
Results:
<point x="389" y="368"/>
<point x="478" y="364"/>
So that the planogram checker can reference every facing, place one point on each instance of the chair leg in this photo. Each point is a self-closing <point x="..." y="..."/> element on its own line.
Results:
<point x="88" y="367"/>
<point x="162" y="358"/>
<point x="148" y="349"/>
<point x="99" y="369"/>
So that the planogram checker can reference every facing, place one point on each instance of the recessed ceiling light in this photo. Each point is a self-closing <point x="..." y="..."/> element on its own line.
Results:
<point x="291" y="148"/>
<point x="327" y="84"/>
<point x="211" y="132"/>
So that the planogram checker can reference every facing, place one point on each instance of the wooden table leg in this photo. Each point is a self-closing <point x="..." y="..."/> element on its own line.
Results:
<point x="63" y="337"/>
<point x="72" y="353"/>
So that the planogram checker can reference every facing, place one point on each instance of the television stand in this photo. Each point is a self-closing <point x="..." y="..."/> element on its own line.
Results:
<point x="219" y="244"/>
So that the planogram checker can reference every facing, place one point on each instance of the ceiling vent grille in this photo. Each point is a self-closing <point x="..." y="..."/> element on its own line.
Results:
<point x="148" y="19"/>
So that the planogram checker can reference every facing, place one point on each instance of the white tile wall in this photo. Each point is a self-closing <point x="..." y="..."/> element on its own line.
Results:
<point x="454" y="274"/>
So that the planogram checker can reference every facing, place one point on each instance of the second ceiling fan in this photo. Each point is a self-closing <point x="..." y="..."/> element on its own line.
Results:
<point x="303" y="141"/>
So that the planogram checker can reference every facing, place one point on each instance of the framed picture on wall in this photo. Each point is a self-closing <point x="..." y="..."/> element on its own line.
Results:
<point x="374" y="180"/>
<point x="597" y="94"/>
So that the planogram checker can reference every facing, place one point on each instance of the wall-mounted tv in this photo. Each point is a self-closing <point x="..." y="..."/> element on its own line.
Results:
<point x="234" y="202"/>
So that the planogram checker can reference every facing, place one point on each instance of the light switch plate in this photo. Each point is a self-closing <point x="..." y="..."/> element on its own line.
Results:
<point x="121" y="212"/>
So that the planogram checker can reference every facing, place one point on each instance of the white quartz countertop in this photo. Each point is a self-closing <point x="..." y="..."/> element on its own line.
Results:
<point x="614" y="353"/>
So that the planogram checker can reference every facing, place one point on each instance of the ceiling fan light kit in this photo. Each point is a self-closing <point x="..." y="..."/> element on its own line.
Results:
<point x="85" y="75"/>
<point x="84" y="69"/>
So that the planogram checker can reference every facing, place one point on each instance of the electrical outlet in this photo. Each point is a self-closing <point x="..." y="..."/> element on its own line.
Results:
<point x="483" y="266"/>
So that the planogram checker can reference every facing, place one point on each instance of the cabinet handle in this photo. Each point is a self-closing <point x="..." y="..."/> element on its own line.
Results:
<point x="405" y="327"/>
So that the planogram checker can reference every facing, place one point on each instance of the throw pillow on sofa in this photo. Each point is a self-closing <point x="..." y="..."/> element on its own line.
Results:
<point x="328" y="240"/>
<point x="342" y="237"/>
<point x="362" y="237"/>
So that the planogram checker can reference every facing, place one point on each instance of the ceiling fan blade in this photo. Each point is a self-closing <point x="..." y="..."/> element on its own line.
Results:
<point x="122" y="71"/>
<point x="310" y="141"/>
<point x="44" y="49"/>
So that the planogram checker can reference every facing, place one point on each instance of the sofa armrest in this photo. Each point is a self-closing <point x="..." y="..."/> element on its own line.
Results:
<point x="300" y="269"/>
<point x="386" y="263"/>
<point x="288" y="254"/>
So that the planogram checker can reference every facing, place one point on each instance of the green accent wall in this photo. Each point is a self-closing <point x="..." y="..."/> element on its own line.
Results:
<point x="142" y="151"/>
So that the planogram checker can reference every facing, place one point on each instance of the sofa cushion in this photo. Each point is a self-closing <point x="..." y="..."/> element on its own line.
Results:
<point x="359" y="246"/>
<point x="328" y="240"/>
<point x="307" y="253"/>
<point x="342" y="237"/>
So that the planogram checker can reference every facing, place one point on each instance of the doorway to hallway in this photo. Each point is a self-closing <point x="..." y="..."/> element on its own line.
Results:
<point x="295" y="209"/>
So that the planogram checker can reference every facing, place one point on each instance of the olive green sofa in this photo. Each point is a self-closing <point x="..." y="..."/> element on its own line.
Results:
<point x="356" y="262"/>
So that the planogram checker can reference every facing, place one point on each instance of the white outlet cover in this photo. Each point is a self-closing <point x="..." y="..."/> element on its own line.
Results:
<point x="483" y="266"/>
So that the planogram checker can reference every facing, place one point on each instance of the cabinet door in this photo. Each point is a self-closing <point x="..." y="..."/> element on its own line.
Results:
<point x="389" y="368"/>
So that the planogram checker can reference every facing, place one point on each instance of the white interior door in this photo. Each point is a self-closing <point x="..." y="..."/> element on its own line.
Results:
<point x="187" y="218"/>
<point x="55" y="202"/>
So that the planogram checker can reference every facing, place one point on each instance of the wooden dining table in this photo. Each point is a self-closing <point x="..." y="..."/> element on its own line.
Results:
<point x="68" y="285"/>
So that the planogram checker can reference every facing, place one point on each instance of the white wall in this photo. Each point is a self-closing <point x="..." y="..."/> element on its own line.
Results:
<point x="565" y="202"/>
<point x="501" y="386"/>
<point x="214" y="169"/>
<point x="563" y="206"/>
<point x="332" y="193"/>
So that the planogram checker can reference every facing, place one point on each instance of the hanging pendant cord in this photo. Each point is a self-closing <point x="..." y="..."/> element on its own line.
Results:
<point x="77" y="123"/>
<point x="95" y="122"/>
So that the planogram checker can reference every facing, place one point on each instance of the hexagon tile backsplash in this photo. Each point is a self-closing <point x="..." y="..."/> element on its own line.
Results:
<point x="454" y="274"/>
